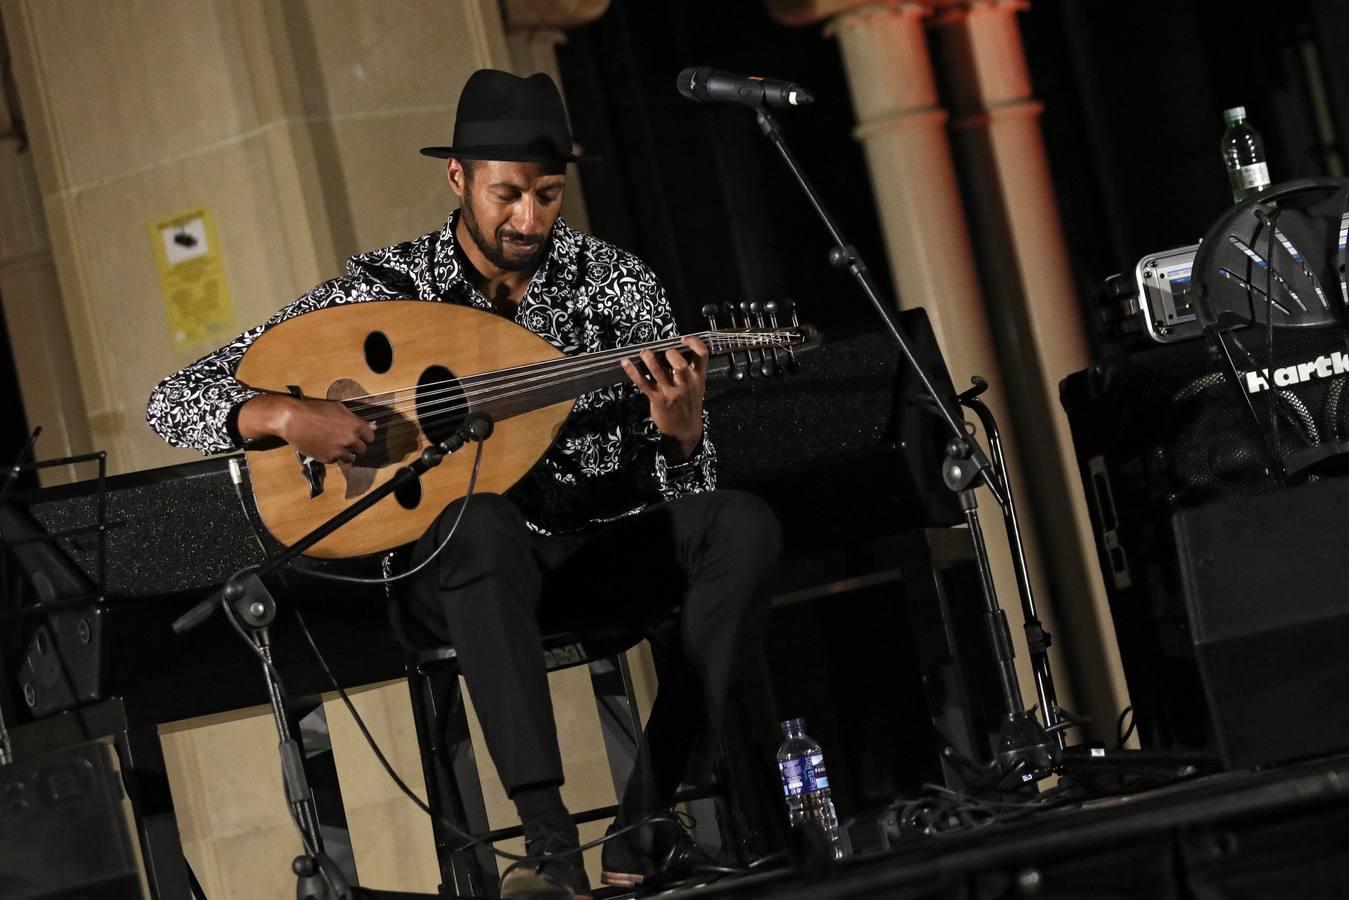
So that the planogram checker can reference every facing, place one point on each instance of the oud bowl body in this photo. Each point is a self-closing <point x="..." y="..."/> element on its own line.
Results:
<point x="340" y="353"/>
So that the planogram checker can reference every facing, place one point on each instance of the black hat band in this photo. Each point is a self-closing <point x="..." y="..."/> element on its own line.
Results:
<point x="513" y="131"/>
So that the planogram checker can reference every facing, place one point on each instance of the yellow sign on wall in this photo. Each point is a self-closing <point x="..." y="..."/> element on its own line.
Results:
<point x="192" y="278"/>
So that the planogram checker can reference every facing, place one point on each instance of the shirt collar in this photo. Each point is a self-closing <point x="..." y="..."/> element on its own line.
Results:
<point x="560" y="267"/>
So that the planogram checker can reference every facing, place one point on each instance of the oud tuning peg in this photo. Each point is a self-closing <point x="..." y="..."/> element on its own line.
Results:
<point x="710" y="314"/>
<point x="755" y="364"/>
<point x="757" y="309"/>
<point x="738" y="368"/>
<point x="770" y="309"/>
<point x="767" y="366"/>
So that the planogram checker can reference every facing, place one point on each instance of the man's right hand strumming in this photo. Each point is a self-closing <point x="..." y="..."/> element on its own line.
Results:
<point x="324" y="429"/>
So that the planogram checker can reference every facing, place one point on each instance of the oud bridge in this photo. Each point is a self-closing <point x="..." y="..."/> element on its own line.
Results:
<point x="403" y="422"/>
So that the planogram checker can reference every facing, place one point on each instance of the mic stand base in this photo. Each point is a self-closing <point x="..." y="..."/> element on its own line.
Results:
<point x="1025" y="748"/>
<point x="1025" y="753"/>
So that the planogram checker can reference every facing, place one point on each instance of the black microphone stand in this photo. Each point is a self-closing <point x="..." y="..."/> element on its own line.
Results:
<point x="1025" y="751"/>
<point x="249" y="605"/>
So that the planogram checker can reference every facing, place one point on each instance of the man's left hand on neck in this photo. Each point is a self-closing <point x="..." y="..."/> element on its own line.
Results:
<point x="674" y="386"/>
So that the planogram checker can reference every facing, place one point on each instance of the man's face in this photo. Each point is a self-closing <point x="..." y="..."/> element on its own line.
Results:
<point x="509" y="208"/>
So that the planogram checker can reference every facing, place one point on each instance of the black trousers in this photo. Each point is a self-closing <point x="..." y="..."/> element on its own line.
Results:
<point x="498" y="587"/>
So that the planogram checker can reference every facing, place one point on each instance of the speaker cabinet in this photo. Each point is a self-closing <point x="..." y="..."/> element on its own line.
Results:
<point x="173" y="536"/>
<point x="64" y="829"/>
<point x="1163" y="443"/>
<point x="1267" y="597"/>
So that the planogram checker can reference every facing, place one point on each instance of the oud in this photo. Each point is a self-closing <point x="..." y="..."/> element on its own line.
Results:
<point x="416" y="370"/>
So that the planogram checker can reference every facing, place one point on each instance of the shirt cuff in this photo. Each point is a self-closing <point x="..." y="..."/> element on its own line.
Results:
<point x="686" y="463"/>
<point x="690" y="476"/>
<point x="222" y="425"/>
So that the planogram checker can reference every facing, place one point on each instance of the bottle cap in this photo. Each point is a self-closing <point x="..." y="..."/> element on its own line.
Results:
<point x="793" y="726"/>
<point x="1234" y="115"/>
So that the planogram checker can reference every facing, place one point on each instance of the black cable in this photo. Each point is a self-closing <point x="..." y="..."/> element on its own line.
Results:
<point x="469" y="840"/>
<point x="390" y="579"/>
<point x="1270" y="222"/>
<point x="945" y="810"/>
<point x="1122" y="735"/>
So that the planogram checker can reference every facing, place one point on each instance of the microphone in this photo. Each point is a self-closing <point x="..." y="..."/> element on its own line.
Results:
<point x="707" y="85"/>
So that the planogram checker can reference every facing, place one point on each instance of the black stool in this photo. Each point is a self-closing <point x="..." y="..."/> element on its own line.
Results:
<point x="449" y="766"/>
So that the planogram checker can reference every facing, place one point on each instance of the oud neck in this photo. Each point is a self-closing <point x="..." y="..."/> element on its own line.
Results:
<point x="511" y="392"/>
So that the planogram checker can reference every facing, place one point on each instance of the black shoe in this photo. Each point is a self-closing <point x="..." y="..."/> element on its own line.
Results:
<point x="553" y="869"/>
<point x="660" y="852"/>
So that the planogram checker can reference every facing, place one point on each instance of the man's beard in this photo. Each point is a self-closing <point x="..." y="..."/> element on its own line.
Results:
<point x="494" y="248"/>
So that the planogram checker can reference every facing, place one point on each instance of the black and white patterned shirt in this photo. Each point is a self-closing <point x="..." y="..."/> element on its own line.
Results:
<point x="586" y="296"/>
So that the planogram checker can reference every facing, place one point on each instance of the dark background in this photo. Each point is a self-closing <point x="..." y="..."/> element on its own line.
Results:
<point x="1133" y="96"/>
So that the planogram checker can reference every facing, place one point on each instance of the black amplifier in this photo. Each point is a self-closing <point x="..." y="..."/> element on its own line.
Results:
<point x="1164" y="431"/>
<point x="173" y="535"/>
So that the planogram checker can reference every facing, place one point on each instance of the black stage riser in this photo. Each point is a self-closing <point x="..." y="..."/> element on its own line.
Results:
<point x="1260" y="835"/>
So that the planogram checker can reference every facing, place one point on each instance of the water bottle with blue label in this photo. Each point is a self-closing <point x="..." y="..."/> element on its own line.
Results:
<point x="1244" y="155"/>
<point x="806" y="783"/>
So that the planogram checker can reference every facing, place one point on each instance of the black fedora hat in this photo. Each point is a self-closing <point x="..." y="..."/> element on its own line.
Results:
<point x="506" y="117"/>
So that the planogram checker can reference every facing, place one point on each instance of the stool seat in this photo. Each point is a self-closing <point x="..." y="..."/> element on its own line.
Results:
<point x="561" y="650"/>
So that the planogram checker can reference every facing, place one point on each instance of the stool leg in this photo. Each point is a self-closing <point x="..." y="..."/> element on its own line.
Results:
<point x="452" y="788"/>
<point x="147" y="786"/>
<point x="620" y="720"/>
<point x="480" y="862"/>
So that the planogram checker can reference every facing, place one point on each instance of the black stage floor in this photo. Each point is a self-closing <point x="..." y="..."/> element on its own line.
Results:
<point x="1280" y="833"/>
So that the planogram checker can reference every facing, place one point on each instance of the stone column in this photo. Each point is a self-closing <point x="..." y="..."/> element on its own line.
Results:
<point x="1035" y="311"/>
<point x="534" y="31"/>
<point x="903" y="131"/>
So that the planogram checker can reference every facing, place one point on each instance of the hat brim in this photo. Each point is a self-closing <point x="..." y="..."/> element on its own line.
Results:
<point x="503" y="152"/>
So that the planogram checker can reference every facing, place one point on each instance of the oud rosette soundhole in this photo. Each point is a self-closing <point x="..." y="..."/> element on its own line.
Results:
<point x="378" y="352"/>
<point x="441" y="404"/>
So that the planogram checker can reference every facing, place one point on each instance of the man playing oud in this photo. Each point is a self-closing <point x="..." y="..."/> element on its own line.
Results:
<point x="618" y="523"/>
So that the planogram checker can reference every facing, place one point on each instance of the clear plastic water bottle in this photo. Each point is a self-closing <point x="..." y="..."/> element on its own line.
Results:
<point x="806" y="783"/>
<point x="1244" y="155"/>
